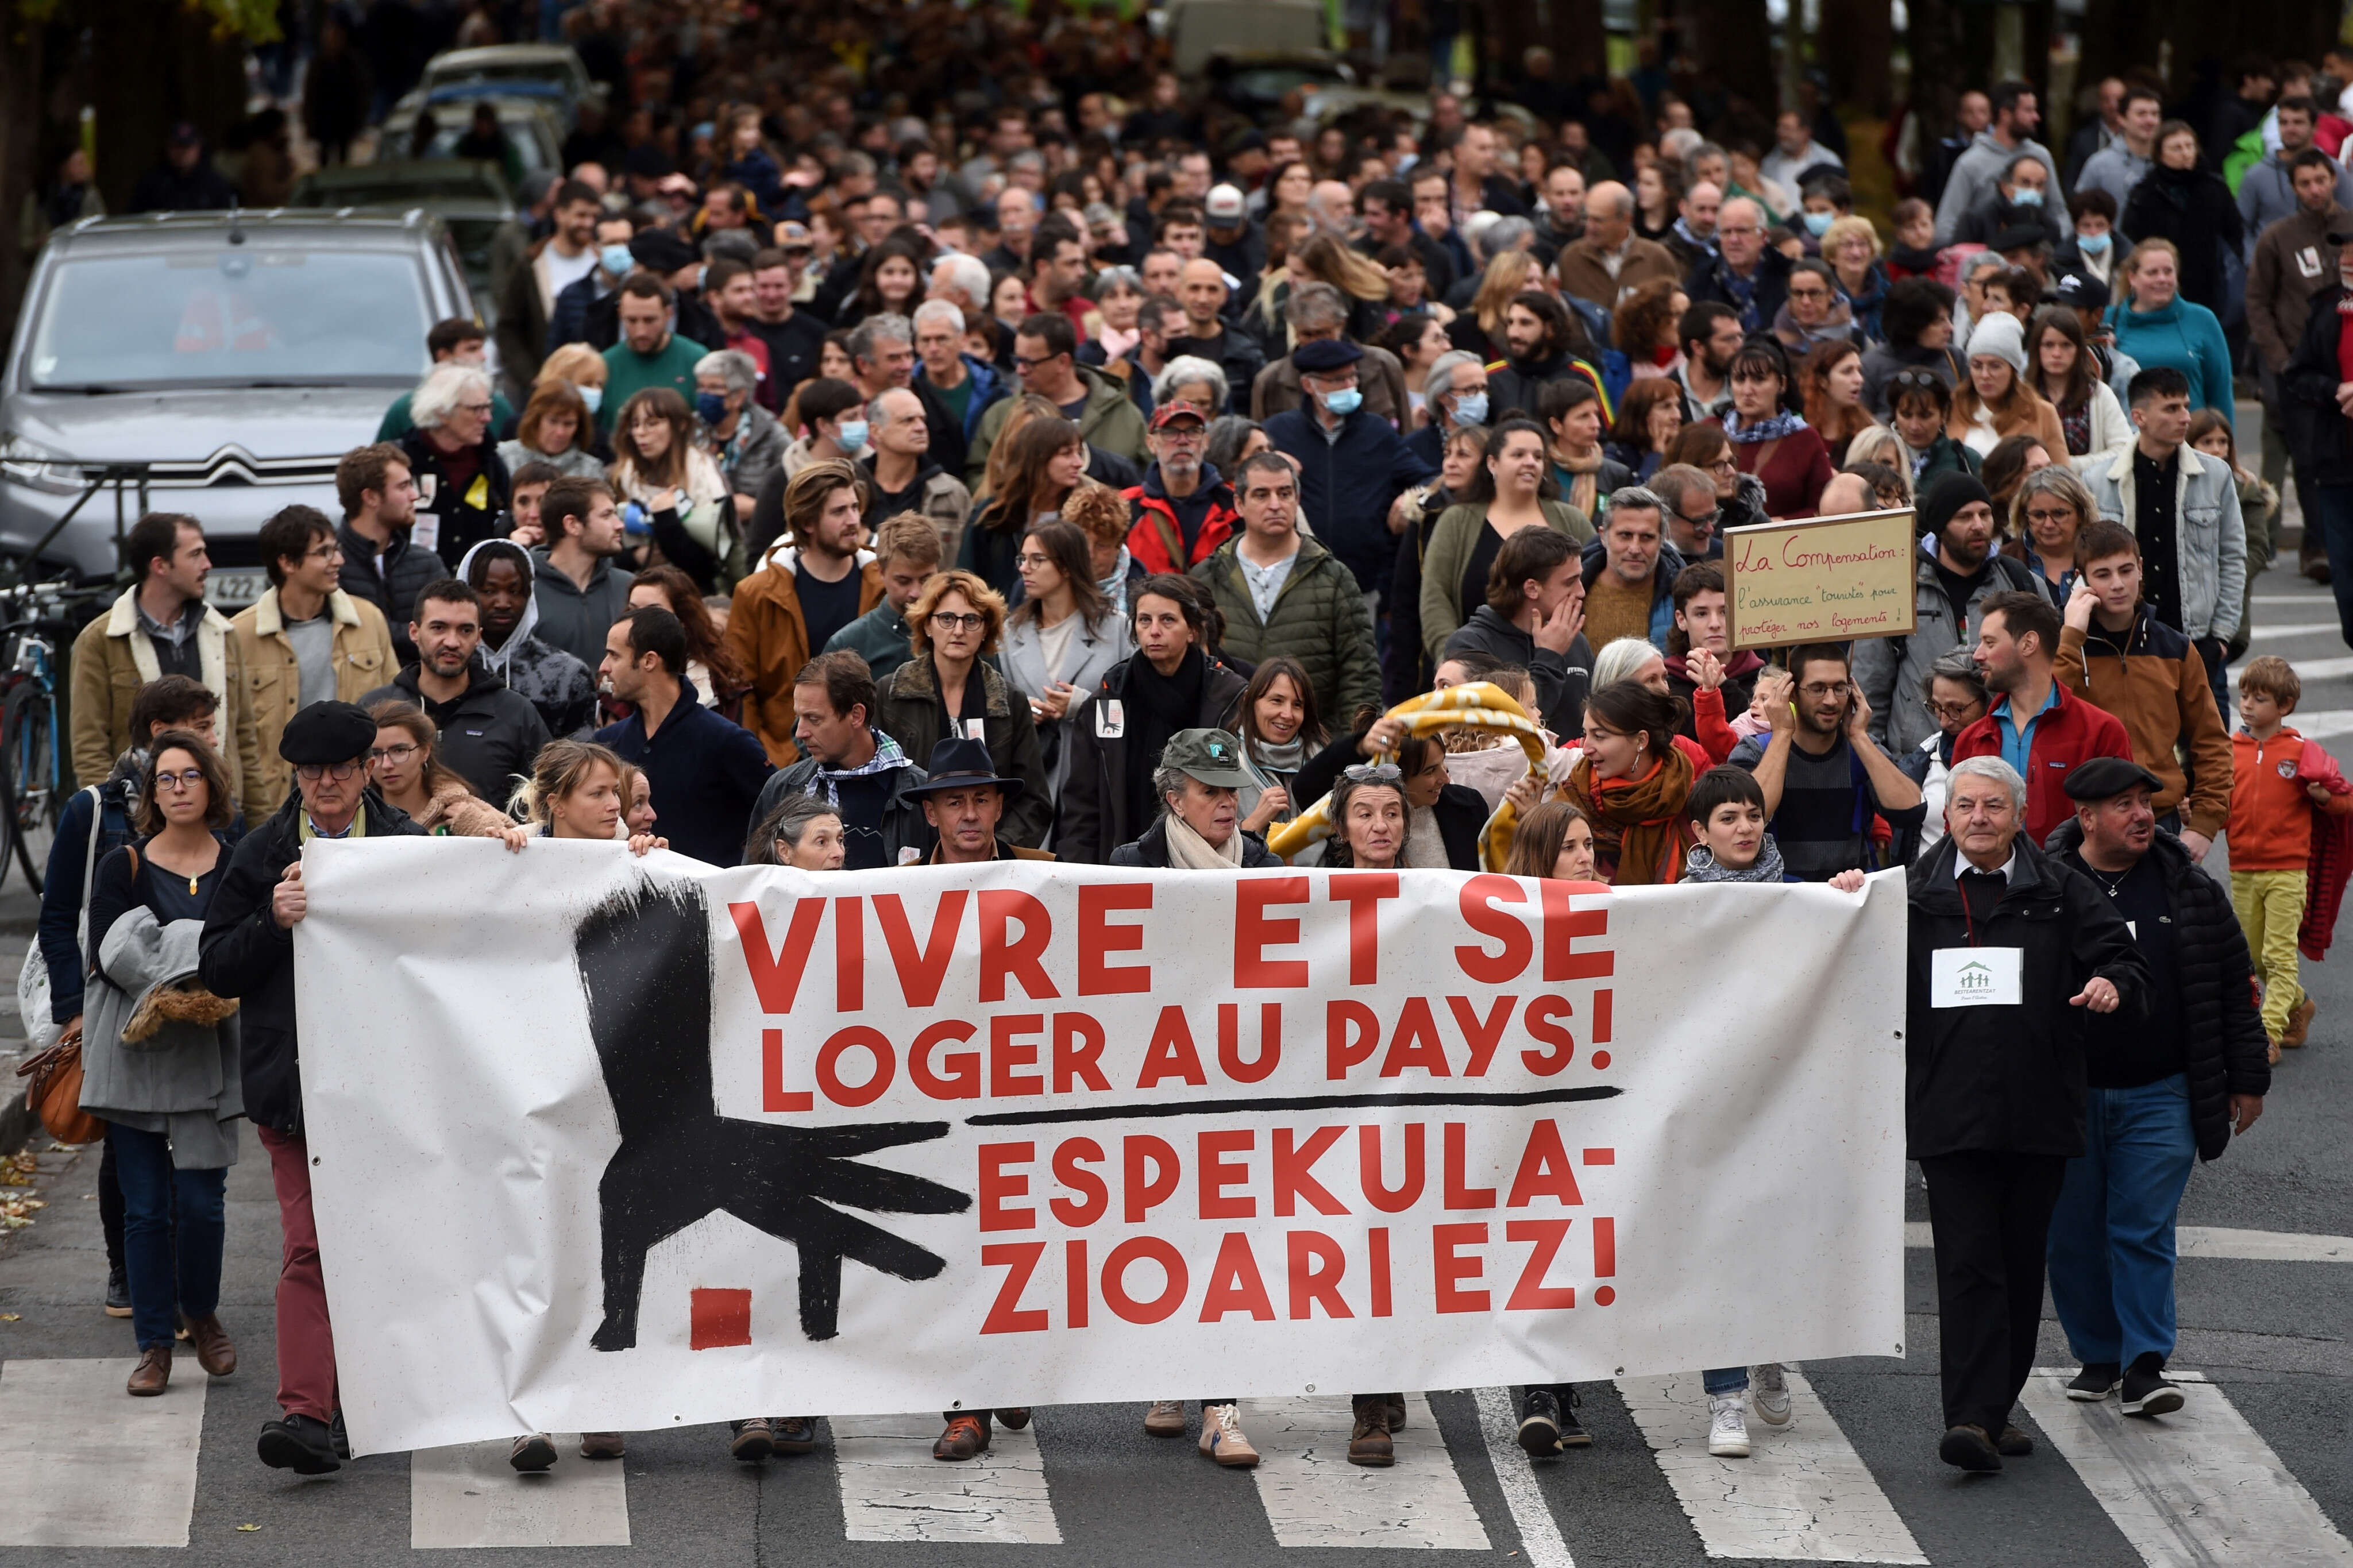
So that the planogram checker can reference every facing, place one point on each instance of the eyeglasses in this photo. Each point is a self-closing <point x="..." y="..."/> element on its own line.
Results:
<point x="310" y="773"/>
<point x="2050" y="514"/>
<point x="1953" y="711"/>
<point x="400" y="754"/>
<point x="1027" y="559"/>
<point x="949" y="620"/>
<point x="1727" y="464"/>
<point x="1372" y="773"/>
<point x="1026" y="365"/>
<point x="330" y="550"/>
<point x="1701" y="523"/>
<point x="1818" y="690"/>
<point x="473" y="408"/>
<point x="1809" y="293"/>
<point x="186" y="779"/>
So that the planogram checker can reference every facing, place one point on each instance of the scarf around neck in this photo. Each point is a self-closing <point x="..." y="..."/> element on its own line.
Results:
<point x="1639" y="827"/>
<point x="1771" y="429"/>
<point x="887" y="755"/>
<point x="1700" y="866"/>
<point x="1189" y="851"/>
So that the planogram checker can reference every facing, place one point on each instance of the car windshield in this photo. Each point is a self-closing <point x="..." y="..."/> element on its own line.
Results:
<point x="554" y="73"/>
<point x="245" y="315"/>
<point x="451" y="182"/>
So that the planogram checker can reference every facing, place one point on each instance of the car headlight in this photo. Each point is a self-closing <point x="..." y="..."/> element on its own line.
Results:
<point x="29" y="462"/>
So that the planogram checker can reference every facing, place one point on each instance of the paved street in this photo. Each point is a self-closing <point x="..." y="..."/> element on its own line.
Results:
<point x="2257" y="1470"/>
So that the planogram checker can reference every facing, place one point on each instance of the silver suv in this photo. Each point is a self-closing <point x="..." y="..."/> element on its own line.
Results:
<point x="215" y="363"/>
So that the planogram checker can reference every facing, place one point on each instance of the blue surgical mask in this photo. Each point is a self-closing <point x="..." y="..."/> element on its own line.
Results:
<point x="616" y="259"/>
<point x="850" y="436"/>
<point x="1344" y="402"/>
<point x="2094" y="244"/>
<point x="1818" y="223"/>
<point x="593" y="396"/>
<point x="711" y="407"/>
<point x="1471" y="409"/>
<point x="2026" y="197"/>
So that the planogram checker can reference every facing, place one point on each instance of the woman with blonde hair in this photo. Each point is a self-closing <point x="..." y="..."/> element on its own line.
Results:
<point x="556" y="428"/>
<point x="1480" y="329"/>
<point x="578" y="365"/>
<point x="1044" y="460"/>
<point x="1328" y="259"/>
<point x="1880" y="444"/>
<point x="407" y="768"/>
<point x="575" y="791"/>
<point x="1851" y="248"/>
<point x="946" y="690"/>
<point x="677" y="488"/>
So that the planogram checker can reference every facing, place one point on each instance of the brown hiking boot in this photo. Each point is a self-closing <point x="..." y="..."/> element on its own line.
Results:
<point x="152" y="1374"/>
<point x="214" y="1352"/>
<point x="602" y="1446"/>
<point x="966" y="1435"/>
<point x="1368" y="1443"/>
<point x="2299" y="1023"/>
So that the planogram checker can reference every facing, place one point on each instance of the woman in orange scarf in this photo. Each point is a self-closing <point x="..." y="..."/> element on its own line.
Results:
<point x="1632" y="782"/>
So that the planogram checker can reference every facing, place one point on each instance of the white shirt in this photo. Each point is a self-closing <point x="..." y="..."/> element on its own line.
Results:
<point x="1265" y="582"/>
<point x="1961" y="863"/>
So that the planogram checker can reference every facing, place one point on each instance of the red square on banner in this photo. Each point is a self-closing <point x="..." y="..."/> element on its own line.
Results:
<point x="720" y="1318"/>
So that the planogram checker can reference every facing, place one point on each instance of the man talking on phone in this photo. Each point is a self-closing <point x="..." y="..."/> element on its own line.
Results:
<point x="1828" y="786"/>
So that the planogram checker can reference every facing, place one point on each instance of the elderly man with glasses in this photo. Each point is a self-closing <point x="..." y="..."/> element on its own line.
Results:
<point x="248" y="953"/>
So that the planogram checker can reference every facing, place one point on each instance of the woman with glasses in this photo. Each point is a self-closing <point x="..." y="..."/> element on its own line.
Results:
<point x="1956" y="700"/>
<point x="1061" y="640"/>
<point x="1739" y="498"/>
<point x="947" y="688"/>
<point x="1632" y="781"/>
<point x="462" y="484"/>
<point x="405" y="766"/>
<point x="160" y="1060"/>
<point x="672" y="492"/>
<point x="1785" y="453"/>
<point x="2049" y="512"/>
<point x="1815" y="313"/>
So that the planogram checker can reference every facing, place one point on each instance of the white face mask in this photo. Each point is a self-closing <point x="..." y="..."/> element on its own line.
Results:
<point x="593" y="396"/>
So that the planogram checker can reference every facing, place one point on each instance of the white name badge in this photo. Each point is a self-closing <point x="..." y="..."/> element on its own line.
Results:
<point x="975" y="729"/>
<point x="426" y="532"/>
<point x="1974" y="977"/>
<point x="1111" y="718"/>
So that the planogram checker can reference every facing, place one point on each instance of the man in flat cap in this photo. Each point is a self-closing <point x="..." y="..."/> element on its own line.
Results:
<point x="1353" y="464"/>
<point x="2174" y="1084"/>
<point x="247" y="952"/>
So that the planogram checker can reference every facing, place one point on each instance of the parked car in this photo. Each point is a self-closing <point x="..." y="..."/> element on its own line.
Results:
<point x="533" y="130"/>
<point x="223" y="362"/>
<point x="550" y="72"/>
<point x="471" y="198"/>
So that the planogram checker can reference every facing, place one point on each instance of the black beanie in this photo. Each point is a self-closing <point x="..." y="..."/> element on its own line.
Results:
<point x="1947" y="495"/>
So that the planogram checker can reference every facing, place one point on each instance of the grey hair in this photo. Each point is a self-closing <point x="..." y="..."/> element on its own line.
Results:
<point x="969" y="273"/>
<point x="1872" y="444"/>
<point x="1955" y="664"/>
<point x="444" y="388"/>
<point x="1620" y="659"/>
<point x="1635" y="498"/>
<point x="1991" y="768"/>
<point x="878" y="412"/>
<point x="787" y="822"/>
<point x="1438" y="380"/>
<point x="2060" y="482"/>
<point x="1507" y="233"/>
<point x="732" y="366"/>
<point x="1314" y="307"/>
<point x="1187" y="368"/>
<point x="889" y="327"/>
<point x="1980" y="261"/>
<point x="1228" y="435"/>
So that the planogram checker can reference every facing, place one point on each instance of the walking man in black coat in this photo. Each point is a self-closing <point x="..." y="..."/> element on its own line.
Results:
<point x="247" y="952"/>
<point x="2164" y="1091"/>
<point x="2010" y="952"/>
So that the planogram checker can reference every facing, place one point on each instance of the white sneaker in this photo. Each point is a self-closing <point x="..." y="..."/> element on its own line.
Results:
<point x="1770" y="1392"/>
<point x="1727" y="1430"/>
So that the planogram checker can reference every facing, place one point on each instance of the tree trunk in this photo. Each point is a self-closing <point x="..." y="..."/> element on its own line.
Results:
<point x="163" y="65"/>
<point x="22" y="49"/>
<point x="1935" y="44"/>
<point x="1580" y="48"/>
<point x="1855" y="43"/>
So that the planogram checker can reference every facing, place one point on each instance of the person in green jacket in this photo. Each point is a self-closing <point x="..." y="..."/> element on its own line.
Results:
<point x="2155" y="325"/>
<point x="1283" y="594"/>
<point x="461" y="339"/>
<point x="649" y="353"/>
<point x="1515" y="488"/>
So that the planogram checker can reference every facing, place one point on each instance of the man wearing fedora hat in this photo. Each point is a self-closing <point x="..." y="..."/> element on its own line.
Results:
<point x="964" y="800"/>
<point x="2163" y="1091"/>
<point x="247" y="952"/>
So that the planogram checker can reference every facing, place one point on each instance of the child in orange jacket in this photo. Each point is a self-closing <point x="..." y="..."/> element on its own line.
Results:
<point x="2269" y="837"/>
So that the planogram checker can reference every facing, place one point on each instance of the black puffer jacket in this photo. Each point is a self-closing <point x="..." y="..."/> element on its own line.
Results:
<point x="245" y="954"/>
<point x="2009" y="1080"/>
<point x="2222" y="1032"/>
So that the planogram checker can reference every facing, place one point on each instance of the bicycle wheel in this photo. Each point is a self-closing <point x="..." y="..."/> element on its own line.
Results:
<point x="30" y="759"/>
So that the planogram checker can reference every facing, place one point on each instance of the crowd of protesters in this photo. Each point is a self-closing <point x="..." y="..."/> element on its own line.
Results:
<point x="1067" y="477"/>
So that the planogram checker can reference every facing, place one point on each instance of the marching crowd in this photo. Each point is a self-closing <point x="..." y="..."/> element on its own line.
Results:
<point x="1041" y="480"/>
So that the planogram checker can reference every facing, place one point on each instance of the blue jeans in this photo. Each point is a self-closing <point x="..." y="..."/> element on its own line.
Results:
<point x="2335" y="521"/>
<point x="154" y="1196"/>
<point x="2111" y="1247"/>
<point x="1724" y="1380"/>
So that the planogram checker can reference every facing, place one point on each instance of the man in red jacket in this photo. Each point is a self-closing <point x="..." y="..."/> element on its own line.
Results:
<point x="2017" y="646"/>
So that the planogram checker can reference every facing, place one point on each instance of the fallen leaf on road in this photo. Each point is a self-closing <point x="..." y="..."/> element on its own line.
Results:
<point x="248" y="1527"/>
<point x="11" y="1317"/>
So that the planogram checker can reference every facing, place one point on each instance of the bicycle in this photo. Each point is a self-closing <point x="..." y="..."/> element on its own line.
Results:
<point x="35" y="777"/>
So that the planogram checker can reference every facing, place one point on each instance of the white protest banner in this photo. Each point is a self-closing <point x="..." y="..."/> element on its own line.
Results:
<point x="607" y="1143"/>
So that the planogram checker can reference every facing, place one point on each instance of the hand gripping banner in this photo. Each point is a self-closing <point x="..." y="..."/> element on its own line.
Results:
<point x="608" y="1143"/>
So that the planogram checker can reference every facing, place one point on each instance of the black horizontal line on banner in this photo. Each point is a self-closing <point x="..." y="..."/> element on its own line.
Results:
<point x="1299" y="1102"/>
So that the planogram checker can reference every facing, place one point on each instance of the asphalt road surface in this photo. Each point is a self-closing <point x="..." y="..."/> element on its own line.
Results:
<point x="2257" y="1470"/>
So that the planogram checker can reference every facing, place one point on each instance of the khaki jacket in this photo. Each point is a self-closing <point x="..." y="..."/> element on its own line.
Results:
<point x="770" y="639"/>
<point x="113" y="659"/>
<point x="273" y="684"/>
<point x="1584" y="273"/>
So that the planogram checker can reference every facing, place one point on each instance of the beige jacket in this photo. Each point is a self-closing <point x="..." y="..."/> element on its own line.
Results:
<point x="112" y="658"/>
<point x="273" y="684"/>
<point x="455" y="811"/>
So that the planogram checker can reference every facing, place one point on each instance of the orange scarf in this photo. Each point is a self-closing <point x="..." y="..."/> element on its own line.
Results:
<point x="1640" y="829"/>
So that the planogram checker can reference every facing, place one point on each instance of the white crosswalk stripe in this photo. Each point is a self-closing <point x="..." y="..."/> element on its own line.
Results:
<point x="893" y="1490"/>
<point x="470" y="1496"/>
<point x="2192" y="1489"/>
<point x="2222" y="1241"/>
<point x="85" y="1465"/>
<point x="1540" y="1540"/>
<point x="2300" y="629"/>
<point x="1802" y="1495"/>
<point x="1313" y="1497"/>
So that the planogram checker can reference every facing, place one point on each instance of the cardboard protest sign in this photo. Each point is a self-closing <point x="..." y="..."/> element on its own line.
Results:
<point x="1827" y="579"/>
<point x="609" y="1143"/>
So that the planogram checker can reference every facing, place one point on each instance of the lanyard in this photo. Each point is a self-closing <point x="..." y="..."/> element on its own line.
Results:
<point x="1967" y="921"/>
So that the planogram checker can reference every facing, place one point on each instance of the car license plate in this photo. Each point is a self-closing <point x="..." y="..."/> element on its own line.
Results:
<point x="234" y="590"/>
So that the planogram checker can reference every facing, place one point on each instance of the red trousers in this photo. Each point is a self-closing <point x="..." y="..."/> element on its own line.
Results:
<point x="306" y="1342"/>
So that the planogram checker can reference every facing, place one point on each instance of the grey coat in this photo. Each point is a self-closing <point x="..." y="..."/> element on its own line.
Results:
<point x="2211" y="536"/>
<point x="762" y="454"/>
<point x="1094" y="650"/>
<point x="1894" y="671"/>
<point x="183" y="1081"/>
